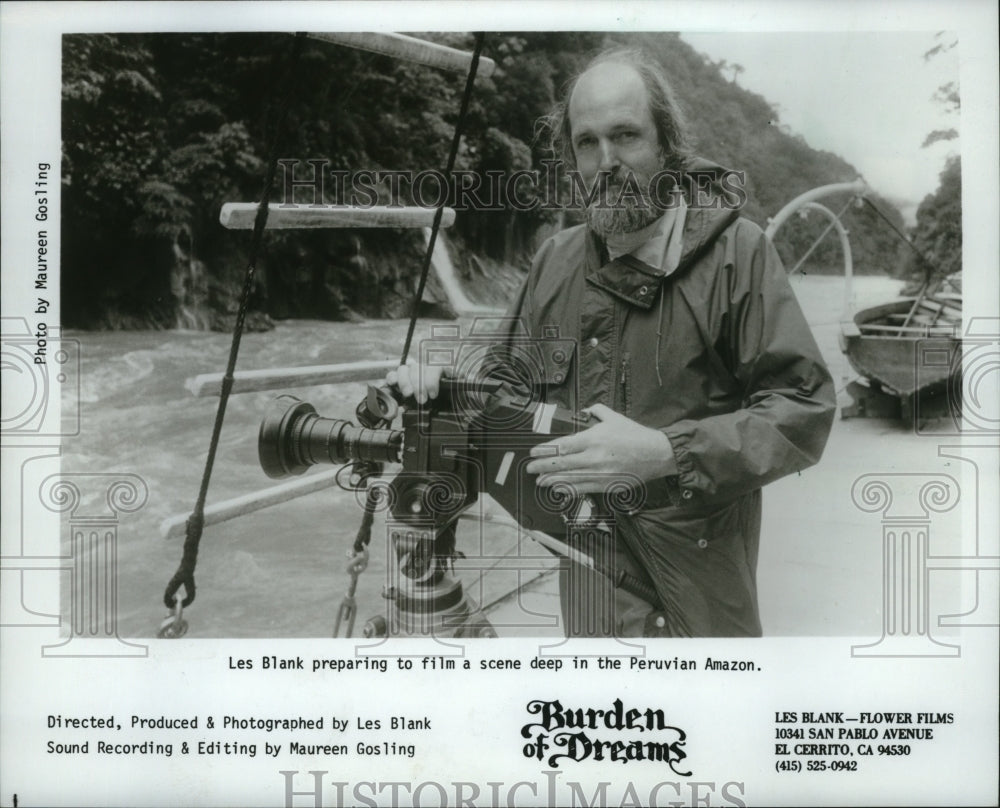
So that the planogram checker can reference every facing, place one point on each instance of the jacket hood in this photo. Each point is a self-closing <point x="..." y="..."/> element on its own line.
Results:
<point x="711" y="207"/>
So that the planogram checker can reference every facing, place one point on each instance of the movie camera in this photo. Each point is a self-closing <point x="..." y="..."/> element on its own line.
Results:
<point x="475" y="437"/>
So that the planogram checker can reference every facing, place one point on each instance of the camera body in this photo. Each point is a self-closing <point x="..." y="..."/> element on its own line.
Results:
<point x="475" y="437"/>
<point x="487" y="451"/>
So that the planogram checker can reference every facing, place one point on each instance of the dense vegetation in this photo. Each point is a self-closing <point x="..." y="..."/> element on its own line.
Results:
<point x="938" y="233"/>
<point x="160" y="129"/>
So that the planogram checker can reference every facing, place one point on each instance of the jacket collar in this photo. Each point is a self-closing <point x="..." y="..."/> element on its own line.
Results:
<point x="627" y="278"/>
<point x="638" y="283"/>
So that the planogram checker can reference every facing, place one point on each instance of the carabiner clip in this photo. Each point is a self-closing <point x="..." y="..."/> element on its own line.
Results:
<point x="174" y="626"/>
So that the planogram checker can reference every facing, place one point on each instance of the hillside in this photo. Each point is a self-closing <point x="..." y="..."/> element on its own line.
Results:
<point x="160" y="129"/>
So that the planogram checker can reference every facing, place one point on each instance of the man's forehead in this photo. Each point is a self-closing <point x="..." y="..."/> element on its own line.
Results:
<point x="605" y="87"/>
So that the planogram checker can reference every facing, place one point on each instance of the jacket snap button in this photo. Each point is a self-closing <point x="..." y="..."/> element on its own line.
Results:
<point x="593" y="342"/>
<point x="643" y="290"/>
<point x="687" y="494"/>
<point x="557" y="378"/>
<point x="703" y="543"/>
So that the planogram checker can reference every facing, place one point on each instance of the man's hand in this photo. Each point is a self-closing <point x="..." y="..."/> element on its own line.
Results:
<point x="615" y="445"/>
<point x="420" y="381"/>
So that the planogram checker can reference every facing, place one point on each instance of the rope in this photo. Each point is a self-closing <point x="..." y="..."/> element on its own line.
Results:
<point x="928" y="266"/>
<point x="196" y="521"/>
<point x="364" y="535"/>
<point x="901" y="234"/>
<point x="363" y="538"/>
<point x="453" y="154"/>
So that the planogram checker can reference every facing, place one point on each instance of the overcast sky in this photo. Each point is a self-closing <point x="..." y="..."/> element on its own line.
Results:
<point x="864" y="96"/>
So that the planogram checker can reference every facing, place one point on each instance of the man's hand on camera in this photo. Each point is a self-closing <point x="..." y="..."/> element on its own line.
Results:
<point x="420" y="381"/>
<point x="614" y="445"/>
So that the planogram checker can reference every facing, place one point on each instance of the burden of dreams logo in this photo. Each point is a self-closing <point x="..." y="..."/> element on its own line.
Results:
<point x="617" y="734"/>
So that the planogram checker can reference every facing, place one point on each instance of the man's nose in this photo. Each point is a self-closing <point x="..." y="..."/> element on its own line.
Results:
<point x="609" y="156"/>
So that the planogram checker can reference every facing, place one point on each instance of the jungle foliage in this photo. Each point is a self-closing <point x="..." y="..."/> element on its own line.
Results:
<point x="160" y="129"/>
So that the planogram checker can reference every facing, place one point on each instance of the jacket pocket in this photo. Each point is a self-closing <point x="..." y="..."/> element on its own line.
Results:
<point x="553" y="363"/>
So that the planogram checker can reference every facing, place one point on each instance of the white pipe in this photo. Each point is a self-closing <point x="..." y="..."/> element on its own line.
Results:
<point x="174" y="527"/>
<point x="845" y="244"/>
<point x="858" y="187"/>
<point x="242" y="215"/>
<point x="408" y="48"/>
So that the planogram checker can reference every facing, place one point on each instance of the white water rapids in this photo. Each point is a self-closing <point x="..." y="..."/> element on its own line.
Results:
<point x="277" y="573"/>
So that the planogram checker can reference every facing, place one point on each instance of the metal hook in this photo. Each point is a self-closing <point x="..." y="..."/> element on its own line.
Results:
<point x="174" y="626"/>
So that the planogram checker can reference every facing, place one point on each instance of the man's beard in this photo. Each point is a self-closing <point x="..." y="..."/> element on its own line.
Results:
<point x="616" y="214"/>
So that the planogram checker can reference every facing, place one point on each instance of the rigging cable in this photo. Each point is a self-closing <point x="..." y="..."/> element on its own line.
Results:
<point x="928" y="266"/>
<point x="358" y="555"/>
<point x="184" y="576"/>
<point x="821" y="236"/>
<point x="900" y="233"/>
<point x="456" y="139"/>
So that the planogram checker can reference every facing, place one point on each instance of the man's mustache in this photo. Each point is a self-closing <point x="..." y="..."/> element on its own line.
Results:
<point x="619" y="180"/>
<point x="613" y="179"/>
<point x="614" y="184"/>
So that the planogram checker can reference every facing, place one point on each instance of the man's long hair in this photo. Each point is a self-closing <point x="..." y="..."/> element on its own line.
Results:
<point x="671" y="127"/>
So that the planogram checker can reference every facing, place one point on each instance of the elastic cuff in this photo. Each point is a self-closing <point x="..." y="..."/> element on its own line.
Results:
<point x="681" y="486"/>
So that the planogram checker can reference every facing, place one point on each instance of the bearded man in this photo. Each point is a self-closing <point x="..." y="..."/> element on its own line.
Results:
<point x="692" y="355"/>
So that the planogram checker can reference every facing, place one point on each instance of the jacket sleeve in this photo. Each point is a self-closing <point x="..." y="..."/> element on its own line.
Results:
<point x="788" y="395"/>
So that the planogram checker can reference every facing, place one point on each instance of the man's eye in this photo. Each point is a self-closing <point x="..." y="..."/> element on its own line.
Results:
<point x="585" y="143"/>
<point x="626" y="136"/>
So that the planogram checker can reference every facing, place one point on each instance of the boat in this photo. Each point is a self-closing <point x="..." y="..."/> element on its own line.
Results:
<point x="907" y="350"/>
<point x="883" y="343"/>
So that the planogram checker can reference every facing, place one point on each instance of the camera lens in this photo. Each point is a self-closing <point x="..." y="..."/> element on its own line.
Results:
<point x="293" y="437"/>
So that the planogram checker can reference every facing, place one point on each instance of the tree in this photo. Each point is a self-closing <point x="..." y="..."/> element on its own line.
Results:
<point x="938" y="232"/>
<point x="160" y="129"/>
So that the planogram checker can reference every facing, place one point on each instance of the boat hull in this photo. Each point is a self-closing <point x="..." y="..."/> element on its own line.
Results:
<point x="902" y="363"/>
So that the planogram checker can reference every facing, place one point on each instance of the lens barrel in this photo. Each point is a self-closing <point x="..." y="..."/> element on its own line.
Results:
<point x="293" y="437"/>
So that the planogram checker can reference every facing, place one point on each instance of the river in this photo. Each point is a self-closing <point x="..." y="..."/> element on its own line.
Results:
<point x="279" y="572"/>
